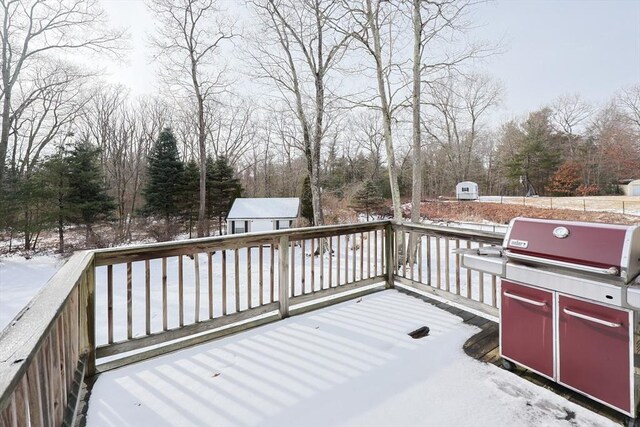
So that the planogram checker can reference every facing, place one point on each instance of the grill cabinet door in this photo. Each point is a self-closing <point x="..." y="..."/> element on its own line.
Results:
<point x="594" y="351"/>
<point x="526" y="327"/>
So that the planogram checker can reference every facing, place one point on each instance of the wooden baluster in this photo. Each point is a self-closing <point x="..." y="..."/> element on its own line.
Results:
<point x="411" y="256"/>
<point x="261" y="275"/>
<point x="36" y="409"/>
<point x="481" y="282"/>
<point x="468" y="274"/>
<point x="292" y="267"/>
<point x="196" y="272"/>
<point x="110" y="303"/>
<point x="59" y="363"/>
<point x="313" y="263"/>
<point x="428" y="242"/>
<point x="457" y="258"/>
<point x="368" y="254"/>
<point x="22" y="402"/>
<point x="420" y="258"/>
<point x="396" y="256"/>
<point x="181" y="290"/>
<point x="354" y="250"/>
<point x="494" y="291"/>
<point x="361" y="256"/>
<point x="272" y="281"/>
<point x="447" y="264"/>
<point x="45" y="384"/>
<point x="210" y="282"/>
<point x="339" y="255"/>
<point x="224" y="282"/>
<point x="375" y="252"/>
<point x="147" y="296"/>
<point x="164" y="294"/>
<point x="129" y="301"/>
<point x="236" y="269"/>
<point x="249" y="293"/>
<point x="303" y="267"/>
<point x="438" y="264"/>
<point x="322" y="249"/>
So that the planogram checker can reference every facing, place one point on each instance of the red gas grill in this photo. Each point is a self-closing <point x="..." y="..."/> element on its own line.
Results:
<point x="570" y="297"/>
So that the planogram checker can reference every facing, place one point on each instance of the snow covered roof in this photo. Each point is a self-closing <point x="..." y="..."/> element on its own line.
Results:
<point x="275" y="207"/>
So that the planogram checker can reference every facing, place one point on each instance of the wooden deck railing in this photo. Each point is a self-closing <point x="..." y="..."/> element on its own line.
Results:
<point x="112" y="307"/>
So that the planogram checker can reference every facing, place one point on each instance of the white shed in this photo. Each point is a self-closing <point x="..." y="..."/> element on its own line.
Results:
<point x="467" y="190"/>
<point x="262" y="214"/>
<point x="632" y="188"/>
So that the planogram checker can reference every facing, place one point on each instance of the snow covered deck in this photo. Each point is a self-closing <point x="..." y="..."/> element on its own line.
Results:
<point x="348" y="364"/>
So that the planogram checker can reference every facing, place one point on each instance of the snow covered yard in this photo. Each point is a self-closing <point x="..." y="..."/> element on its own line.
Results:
<point x="20" y="280"/>
<point x="349" y="364"/>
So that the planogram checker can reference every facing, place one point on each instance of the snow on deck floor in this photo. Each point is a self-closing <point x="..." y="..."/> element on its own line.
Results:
<point x="351" y="364"/>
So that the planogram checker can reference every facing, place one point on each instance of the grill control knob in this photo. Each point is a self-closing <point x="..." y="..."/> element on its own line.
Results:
<point x="561" y="232"/>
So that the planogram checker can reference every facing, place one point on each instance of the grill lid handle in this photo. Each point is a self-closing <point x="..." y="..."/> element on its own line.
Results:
<point x="611" y="271"/>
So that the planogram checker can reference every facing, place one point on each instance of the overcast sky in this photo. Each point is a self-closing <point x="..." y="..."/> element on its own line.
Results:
<point x="552" y="47"/>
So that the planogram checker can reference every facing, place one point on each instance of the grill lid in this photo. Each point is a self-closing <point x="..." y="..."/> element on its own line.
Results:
<point x="590" y="247"/>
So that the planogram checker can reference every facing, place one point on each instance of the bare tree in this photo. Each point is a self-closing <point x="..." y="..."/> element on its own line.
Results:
<point x="629" y="102"/>
<point x="453" y="120"/>
<point x="188" y="39"/>
<point x="232" y="130"/>
<point x="569" y="112"/>
<point x="302" y="50"/>
<point x="374" y="25"/>
<point x="36" y="29"/>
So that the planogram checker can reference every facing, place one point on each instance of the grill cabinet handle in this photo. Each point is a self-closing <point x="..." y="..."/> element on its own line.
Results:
<point x="591" y="319"/>
<point x="523" y="299"/>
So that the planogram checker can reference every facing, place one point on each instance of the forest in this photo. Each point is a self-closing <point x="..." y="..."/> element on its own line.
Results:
<point x="365" y="104"/>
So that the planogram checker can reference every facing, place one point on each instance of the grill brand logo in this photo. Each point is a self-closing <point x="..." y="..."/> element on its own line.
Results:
<point x="561" y="232"/>
<point x="518" y="243"/>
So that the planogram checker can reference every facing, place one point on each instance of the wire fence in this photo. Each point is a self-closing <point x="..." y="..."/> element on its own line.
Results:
<point x="626" y="205"/>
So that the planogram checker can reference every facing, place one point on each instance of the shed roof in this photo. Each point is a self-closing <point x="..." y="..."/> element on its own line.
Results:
<point x="282" y="207"/>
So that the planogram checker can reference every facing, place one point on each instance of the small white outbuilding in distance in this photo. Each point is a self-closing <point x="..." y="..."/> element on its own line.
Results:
<point x="631" y="188"/>
<point x="262" y="214"/>
<point x="467" y="190"/>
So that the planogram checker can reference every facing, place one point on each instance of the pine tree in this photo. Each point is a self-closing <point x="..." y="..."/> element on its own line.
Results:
<point x="188" y="197"/>
<point x="88" y="201"/>
<point x="57" y="172"/>
<point x="164" y="177"/>
<point x="306" y="203"/>
<point x="368" y="199"/>
<point x="223" y="187"/>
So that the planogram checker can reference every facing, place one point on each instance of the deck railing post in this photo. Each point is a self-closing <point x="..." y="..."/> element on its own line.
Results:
<point x="88" y="293"/>
<point x="283" y="276"/>
<point x="388" y="254"/>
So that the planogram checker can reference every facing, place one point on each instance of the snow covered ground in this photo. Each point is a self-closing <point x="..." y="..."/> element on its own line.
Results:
<point x="20" y="280"/>
<point x="352" y="364"/>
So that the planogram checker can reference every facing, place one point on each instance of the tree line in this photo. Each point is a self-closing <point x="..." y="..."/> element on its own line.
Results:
<point x="340" y="100"/>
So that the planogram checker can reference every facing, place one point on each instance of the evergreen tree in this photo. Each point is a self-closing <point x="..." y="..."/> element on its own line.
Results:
<point x="537" y="156"/>
<point x="224" y="187"/>
<point x="368" y="199"/>
<point x="306" y="203"/>
<point x="188" y="196"/>
<point x="57" y="172"/>
<point x="88" y="201"/>
<point x="164" y="177"/>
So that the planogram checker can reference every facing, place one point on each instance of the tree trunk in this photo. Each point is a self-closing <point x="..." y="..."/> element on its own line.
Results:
<point x="416" y="191"/>
<point x="386" y="118"/>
